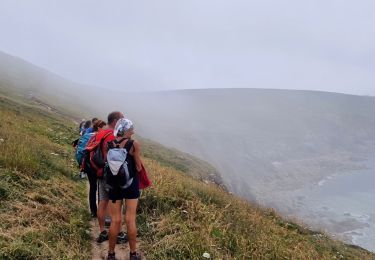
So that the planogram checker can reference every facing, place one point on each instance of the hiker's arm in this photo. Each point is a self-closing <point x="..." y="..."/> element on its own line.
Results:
<point x="137" y="155"/>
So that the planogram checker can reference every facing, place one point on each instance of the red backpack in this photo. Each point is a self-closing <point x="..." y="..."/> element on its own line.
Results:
<point x="96" y="155"/>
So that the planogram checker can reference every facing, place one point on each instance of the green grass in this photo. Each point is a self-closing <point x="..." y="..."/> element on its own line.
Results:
<point x="43" y="210"/>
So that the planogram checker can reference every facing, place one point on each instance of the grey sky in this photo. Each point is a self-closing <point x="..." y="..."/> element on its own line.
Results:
<point x="324" y="45"/>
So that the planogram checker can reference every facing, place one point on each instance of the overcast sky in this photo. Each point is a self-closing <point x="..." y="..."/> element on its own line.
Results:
<point x="324" y="45"/>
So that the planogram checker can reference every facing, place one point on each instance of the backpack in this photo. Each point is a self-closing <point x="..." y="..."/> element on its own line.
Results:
<point x="85" y="165"/>
<point x="81" y="145"/>
<point x="94" y="155"/>
<point x="119" y="169"/>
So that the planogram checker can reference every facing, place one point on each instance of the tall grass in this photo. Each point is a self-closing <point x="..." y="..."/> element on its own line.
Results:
<point x="43" y="211"/>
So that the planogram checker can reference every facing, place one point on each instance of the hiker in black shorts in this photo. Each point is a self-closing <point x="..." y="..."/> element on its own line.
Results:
<point x="123" y="132"/>
<point x="106" y="135"/>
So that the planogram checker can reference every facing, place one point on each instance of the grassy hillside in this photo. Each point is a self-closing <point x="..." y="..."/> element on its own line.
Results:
<point x="43" y="209"/>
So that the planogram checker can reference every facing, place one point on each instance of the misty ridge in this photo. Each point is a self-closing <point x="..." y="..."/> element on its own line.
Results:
<point x="262" y="141"/>
<point x="17" y="74"/>
<point x="266" y="144"/>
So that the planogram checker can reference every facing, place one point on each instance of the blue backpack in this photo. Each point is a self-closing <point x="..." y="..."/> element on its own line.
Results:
<point x="81" y="147"/>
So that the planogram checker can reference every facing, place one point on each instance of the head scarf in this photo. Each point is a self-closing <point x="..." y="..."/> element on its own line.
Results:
<point x="122" y="126"/>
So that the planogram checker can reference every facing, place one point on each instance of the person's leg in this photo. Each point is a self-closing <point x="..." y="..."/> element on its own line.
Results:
<point x="114" y="229"/>
<point x="103" y="204"/>
<point x="92" y="193"/>
<point x="130" y="218"/>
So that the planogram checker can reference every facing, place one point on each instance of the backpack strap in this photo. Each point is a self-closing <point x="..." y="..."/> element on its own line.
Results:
<point x="117" y="143"/>
<point x="129" y="145"/>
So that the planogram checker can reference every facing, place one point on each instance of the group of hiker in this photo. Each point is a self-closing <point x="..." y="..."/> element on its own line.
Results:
<point x="111" y="160"/>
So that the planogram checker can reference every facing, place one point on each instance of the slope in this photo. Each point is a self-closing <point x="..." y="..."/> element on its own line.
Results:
<point x="44" y="212"/>
<point x="43" y="209"/>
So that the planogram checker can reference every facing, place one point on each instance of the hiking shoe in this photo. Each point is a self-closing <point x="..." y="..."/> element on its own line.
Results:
<point x="111" y="256"/>
<point x="122" y="238"/>
<point x="136" y="256"/>
<point x="103" y="236"/>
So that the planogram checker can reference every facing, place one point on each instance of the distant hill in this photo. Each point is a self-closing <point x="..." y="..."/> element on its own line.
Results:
<point x="262" y="141"/>
<point x="297" y="151"/>
<point x="21" y="78"/>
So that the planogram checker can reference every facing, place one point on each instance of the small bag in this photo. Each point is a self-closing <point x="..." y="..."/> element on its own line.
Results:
<point x="144" y="181"/>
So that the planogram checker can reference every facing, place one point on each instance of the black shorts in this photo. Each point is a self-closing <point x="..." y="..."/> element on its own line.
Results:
<point x="132" y="192"/>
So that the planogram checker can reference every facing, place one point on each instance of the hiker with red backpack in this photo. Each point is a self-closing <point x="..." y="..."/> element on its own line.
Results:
<point x="96" y="156"/>
<point x="123" y="164"/>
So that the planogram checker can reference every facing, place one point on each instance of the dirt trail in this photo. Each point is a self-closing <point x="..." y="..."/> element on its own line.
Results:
<point x="100" y="251"/>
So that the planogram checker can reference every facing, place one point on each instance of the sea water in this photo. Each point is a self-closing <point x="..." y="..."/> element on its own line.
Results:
<point x="343" y="205"/>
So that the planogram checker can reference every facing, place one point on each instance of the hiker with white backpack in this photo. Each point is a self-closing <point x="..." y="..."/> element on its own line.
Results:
<point x="96" y="157"/>
<point x="123" y="164"/>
